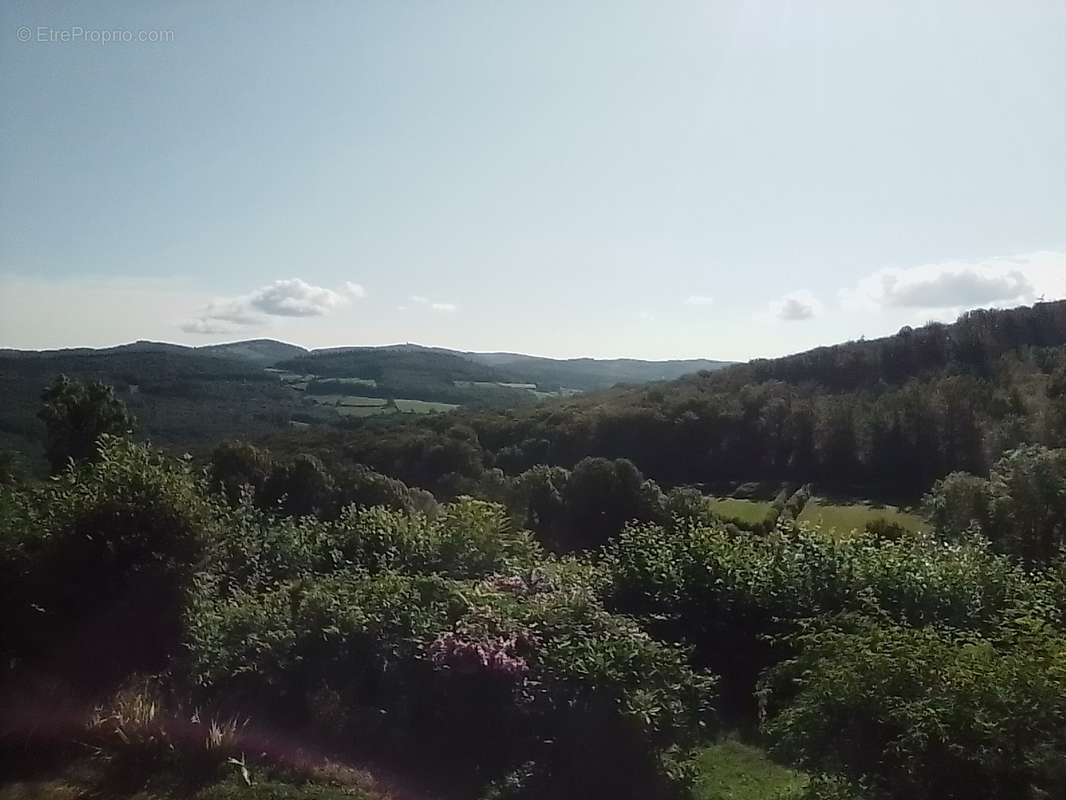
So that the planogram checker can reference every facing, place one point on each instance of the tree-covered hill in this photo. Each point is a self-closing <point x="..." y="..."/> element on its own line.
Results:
<point x="189" y="397"/>
<point x="885" y="417"/>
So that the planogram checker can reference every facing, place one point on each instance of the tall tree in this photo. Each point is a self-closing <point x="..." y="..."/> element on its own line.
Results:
<point x="76" y="413"/>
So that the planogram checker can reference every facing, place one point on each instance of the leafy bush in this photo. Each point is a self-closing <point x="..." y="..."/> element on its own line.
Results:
<point x="480" y="676"/>
<point x="731" y="596"/>
<point x="1021" y="508"/>
<point x="103" y="557"/>
<point x="927" y="712"/>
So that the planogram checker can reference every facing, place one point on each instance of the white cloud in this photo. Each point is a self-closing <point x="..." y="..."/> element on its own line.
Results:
<point x="796" y="307"/>
<point x="295" y="298"/>
<point x="284" y="298"/>
<point x="433" y="305"/>
<point x="954" y="286"/>
<point x="206" y="326"/>
<point x="645" y="316"/>
<point x="699" y="300"/>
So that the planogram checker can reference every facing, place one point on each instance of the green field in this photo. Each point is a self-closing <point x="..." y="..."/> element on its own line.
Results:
<point x="347" y="400"/>
<point x="730" y="770"/>
<point x="348" y="405"/>
<point x="845" y="518"/>
<point x="746" y="511"/>
<point x="363" y="411"/>
<point x="356" y="381"/>
<point x="423" y="406"/>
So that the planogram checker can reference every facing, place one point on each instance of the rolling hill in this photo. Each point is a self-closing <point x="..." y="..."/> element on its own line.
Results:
<point x="186" y="397"/>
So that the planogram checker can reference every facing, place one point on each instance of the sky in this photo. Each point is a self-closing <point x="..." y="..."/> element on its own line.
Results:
<point x="719" y="179"/>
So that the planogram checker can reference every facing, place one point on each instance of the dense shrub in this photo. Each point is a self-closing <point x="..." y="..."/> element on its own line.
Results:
<point x="927" y="712"/>
<point x="480" y="676"/>
<point x="1021" y="507"/>
<point x="731" y="595"/>
<point x="101" y="558"/>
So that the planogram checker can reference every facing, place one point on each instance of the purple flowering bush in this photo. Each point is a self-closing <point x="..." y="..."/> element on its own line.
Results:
<point x="453" y="646"/>
<point x="490" y="657"/>
<point x="480" y="677"/>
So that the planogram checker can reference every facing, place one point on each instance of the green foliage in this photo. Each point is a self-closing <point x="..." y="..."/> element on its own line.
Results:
<point x="1021" y="508"/>
<point x="927" y="712"/>
<point x="236" y="465"/>
<point x="600" y="497"/>
<point x="300" y="488"/>
<point x="553" y="678"/>
<point x="101" y="558"/>
<point x="732" y="596"/>
<point x="75" y="415"/>
<point x="730" y="770"/>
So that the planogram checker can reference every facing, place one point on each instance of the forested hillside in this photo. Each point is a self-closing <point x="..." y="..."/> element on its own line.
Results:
<point x="882" y="418"/>
<point x="187" y="398"/>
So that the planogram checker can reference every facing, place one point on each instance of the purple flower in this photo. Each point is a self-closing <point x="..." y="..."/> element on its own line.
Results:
<point x="467" y="656"/>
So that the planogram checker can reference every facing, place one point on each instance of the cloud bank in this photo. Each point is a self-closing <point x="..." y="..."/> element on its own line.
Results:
<point x="283" y="298"/>
<point x="960" y="285"/>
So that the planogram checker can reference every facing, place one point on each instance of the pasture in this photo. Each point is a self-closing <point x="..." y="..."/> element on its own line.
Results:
<point x="749" y="512"/>
<point x="423" y="406"/>
<point x="844" y="518"/>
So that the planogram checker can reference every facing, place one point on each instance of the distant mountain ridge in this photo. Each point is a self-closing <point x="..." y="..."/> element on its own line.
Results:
<point x="585" y="374"/>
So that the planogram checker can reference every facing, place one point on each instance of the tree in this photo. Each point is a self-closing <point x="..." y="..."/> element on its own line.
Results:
<point x="959" y="503"/>
<point x="302" y="488"/>
<point x="1029" y="502"/>
<point x="600" y="497"/>
<point x="235" y="465"/>
<point x="76" y="413"/>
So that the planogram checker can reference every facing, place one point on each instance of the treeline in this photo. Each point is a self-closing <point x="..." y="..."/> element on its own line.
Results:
<point x="885" y="418"/>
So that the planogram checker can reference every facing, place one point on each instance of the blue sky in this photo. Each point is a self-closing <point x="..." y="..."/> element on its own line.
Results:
<point x="669" y="179"/>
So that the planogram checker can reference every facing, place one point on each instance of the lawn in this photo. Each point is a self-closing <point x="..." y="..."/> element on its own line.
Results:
<point x="845" y="518"/>
<point x="748" y="512"/>
<point x="730" y="770"/>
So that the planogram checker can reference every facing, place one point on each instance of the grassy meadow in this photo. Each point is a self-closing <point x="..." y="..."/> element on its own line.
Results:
<point x="844" y="518"/>
<point x="746" y="511"/>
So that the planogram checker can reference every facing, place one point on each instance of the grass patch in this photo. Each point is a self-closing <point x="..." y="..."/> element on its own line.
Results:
<point x="844" y="519"/>
<point x="423" y="406"/>
<point x="356" y="400"/>
<point x="362" y="411"/>
<point x="88" y="779"/>
<point x="730" y="770"/>
<point x="749" y="512"/>
<point x="347" y="400"/>
<point x="357" y="381"/>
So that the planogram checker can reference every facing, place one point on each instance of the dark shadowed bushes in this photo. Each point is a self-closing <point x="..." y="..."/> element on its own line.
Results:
<point x="102" y="557"/>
